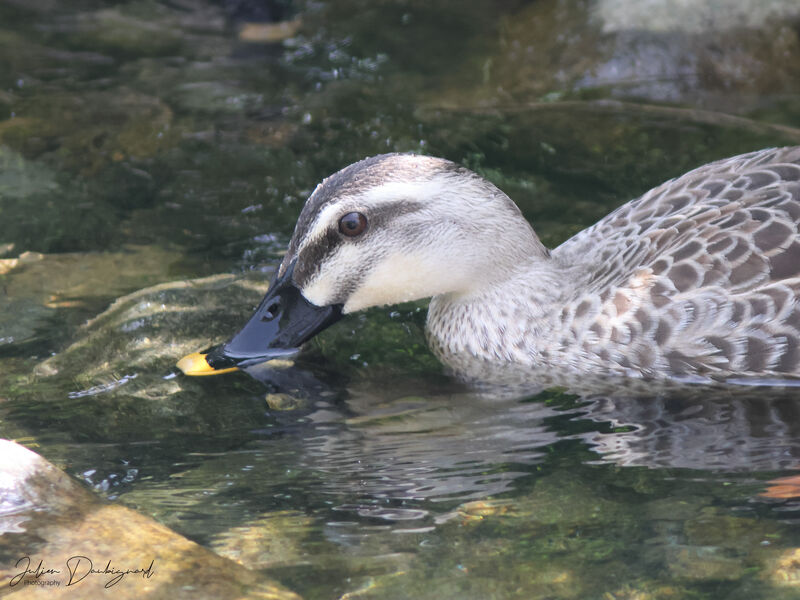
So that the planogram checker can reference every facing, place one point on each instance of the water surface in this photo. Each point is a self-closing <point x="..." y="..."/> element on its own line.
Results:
<point x="144" y="143"/>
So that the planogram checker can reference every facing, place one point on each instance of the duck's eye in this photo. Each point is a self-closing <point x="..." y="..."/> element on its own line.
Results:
<point x="352" y="224"/>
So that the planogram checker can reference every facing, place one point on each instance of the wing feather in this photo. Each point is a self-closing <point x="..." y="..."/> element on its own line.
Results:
<point x="699" y="275"/>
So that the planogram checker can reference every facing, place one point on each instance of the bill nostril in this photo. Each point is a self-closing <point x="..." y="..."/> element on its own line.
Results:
<point x="272" y="311"/>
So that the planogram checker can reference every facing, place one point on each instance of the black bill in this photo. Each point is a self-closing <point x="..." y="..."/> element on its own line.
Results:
<point x="282" y="322"/>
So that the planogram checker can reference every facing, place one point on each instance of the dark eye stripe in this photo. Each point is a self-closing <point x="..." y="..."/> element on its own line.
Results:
<point x="314" y="255"/>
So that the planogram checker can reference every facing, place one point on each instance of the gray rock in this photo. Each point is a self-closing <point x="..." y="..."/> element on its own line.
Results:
<point x="56" y="530"/>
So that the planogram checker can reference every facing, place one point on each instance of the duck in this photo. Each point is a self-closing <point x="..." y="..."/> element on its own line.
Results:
<point x="699" y="276"/>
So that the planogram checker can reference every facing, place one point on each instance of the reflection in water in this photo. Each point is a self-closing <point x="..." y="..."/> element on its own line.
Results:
<point x="460" y="444"/>
<point x="711" y="431"/>
<point x="447" y="448"/>
<point x="383" y="442"/>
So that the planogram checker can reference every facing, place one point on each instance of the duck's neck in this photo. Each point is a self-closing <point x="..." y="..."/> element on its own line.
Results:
<point x="509" y="319"/>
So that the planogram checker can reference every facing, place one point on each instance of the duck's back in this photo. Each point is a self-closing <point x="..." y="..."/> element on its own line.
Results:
<point x="699" y="275"/>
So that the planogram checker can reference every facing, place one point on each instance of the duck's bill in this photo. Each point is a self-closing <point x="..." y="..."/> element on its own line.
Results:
<point x="281" y="324"/>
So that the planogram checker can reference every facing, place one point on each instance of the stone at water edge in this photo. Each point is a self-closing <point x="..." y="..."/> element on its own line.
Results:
<point x="49" y="517"/>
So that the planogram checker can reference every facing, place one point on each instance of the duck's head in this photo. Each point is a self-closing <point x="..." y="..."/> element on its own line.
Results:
<point x="387" y="229"/>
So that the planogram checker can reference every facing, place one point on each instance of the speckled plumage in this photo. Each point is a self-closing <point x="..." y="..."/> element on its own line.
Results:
<point x="700" y="276"/>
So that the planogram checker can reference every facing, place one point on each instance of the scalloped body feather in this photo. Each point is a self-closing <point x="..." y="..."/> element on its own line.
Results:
<point x="699" y="276"/>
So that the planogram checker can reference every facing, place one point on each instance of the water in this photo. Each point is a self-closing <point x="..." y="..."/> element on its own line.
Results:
<point x="143" y="143"/>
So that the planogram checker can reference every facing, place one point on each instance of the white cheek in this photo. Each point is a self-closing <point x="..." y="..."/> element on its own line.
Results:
<point x="405" y="277"/>
<point x="320" y="292"/>
<point x="324" y="289"/>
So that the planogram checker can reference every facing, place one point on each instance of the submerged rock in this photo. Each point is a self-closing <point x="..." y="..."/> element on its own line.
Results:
<point x="703" y="563"/>
<point x="92" y="130"/>
<point x="53" y="531"/>
<point x="785" y="570"/>
<point x="152" y="328"/>
<point x="734" y="56"/>
<point x="695" y="16"/>
<point x="266" y="541"/>
<point x="119" y="366"/>
<point x="128" y="31"/>
<point x="38" y="287"/>
<point x="20" y="178"/>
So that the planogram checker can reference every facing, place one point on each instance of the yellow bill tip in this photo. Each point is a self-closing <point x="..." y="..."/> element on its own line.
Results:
<point x="195" y="364"/>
